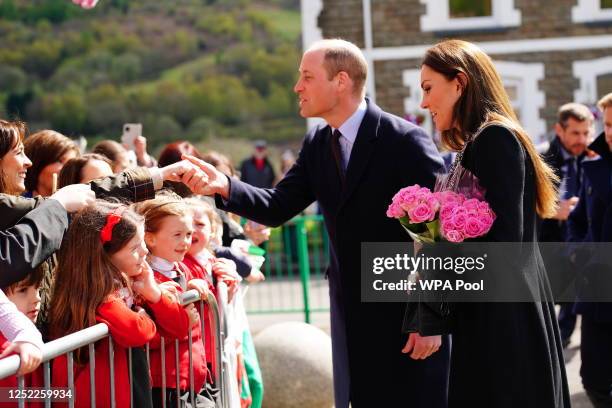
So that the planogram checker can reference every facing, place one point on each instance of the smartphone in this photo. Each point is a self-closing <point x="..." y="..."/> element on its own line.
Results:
<point x="130" y="132"/>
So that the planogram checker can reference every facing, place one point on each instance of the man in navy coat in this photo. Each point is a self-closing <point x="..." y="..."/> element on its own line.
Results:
<point x="591" y="221"/>
<point x="352" y="165"/>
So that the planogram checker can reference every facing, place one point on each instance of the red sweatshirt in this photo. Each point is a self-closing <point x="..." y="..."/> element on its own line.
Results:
<point x="128" y="329"/>
<point x="200" y="371"/>
<point x="200" y="271"/>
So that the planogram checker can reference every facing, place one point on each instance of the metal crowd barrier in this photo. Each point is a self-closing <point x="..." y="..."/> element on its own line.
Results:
<point x="88" y="337"/>
<point x="297" y="256"/>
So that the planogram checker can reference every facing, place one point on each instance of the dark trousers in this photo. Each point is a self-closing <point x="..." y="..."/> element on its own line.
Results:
<point x="141" y="387"/>
<point x="596" y="369"/>
<point x="567" y="320"/>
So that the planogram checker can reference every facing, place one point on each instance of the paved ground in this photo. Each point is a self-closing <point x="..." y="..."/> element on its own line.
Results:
<point x="288" y="294"/>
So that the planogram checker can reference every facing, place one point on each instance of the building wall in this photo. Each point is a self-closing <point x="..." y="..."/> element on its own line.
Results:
<point x="397" y="43"/>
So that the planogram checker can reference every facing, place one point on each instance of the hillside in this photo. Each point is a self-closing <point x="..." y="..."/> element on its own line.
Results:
<point x="184" y="68"/>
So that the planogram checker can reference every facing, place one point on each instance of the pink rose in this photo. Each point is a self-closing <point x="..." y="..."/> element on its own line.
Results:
<point x="447" y="210"/>
<point x="395" y="211"/>
<point x="473" y="228"/>
<point x="471" y="204"/>
<point x="454" y="236"/>
<point x="487" y="221"/>
<point x="433" y="202"/>
<point x="459" y="217"/>
<point x="421" y="213"/>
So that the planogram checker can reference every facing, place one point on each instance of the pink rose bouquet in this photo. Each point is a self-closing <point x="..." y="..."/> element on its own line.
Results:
<point x="429" y="217"/>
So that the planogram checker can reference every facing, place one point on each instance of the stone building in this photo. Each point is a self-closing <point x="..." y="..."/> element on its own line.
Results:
<point x="548" y="52"/>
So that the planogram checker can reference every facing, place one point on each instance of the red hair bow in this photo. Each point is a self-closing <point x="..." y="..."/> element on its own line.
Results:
<point x="112" y="219"/>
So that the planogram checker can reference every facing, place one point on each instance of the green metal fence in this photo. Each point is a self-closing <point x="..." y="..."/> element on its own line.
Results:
<point x="297" y="256"/>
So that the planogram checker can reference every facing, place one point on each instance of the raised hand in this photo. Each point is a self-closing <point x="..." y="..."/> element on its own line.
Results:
<point x="175" y="171"/>
<point x="422" y="346"/>
<point x="145" y="284"/>
<point x="208" y="181"/>
<point x="75" y="197"/>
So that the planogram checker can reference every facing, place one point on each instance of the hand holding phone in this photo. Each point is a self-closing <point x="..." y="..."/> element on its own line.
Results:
<point x="131" y="131"/>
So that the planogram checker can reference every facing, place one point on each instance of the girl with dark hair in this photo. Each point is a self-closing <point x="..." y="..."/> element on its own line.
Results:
<point x="84" y="169"/>
<point x="503" y="354"/>
<point x="49" y="151"/>
<point x="111" y="284"/>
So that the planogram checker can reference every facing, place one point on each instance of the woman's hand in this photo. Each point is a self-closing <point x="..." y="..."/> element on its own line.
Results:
<point x="422" y="346"/>
<point x="30" y="356"/>
<point x="145" y="284"/>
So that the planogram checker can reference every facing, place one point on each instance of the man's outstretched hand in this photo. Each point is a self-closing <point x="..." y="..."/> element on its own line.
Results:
<point x="205" y="179"/>
<point x="422" y="346"/>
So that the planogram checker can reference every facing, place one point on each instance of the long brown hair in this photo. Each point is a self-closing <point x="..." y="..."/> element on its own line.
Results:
<point x="484" y="100"/>
<point x="43" y="148"/>
<point x="11" y="134"/>
<point x="85" y="275"/>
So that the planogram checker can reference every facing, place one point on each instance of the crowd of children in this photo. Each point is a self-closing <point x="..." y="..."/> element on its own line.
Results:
<point x="123" y="259"/>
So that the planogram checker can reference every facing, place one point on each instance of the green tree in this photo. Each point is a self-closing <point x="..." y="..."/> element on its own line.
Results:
<point x="66" y="112"/>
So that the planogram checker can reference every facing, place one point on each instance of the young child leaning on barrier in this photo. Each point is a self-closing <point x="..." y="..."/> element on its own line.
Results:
<point x="102" y="277"/>
<point x="18" y="312"/>
<point x="168" y="232"/>
<point x="201" y="260"/>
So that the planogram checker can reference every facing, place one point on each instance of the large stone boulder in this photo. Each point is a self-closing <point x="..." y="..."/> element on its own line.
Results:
<point x="296" y="366"/>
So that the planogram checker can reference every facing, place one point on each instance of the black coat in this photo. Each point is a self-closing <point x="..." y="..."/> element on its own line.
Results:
<point x="388" y="154"/>
<point x="591" y="221"/>
<point x="508" y="354"/>
<point x="554" y="230"/>
<point x="31" y="240"/>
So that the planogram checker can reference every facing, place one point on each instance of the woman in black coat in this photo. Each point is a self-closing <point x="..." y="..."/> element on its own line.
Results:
<point x="503" y="354"/>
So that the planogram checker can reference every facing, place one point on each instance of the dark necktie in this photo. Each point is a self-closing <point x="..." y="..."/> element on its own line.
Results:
<point x="572" y="179"/>
<point x="337" y="153"/>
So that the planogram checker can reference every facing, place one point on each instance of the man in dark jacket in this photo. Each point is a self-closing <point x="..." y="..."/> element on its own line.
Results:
<point x="352" y="165"/>
<point x="257" y="170"/>
<point x="591" y="221"/>
<point x="565" y="156"/>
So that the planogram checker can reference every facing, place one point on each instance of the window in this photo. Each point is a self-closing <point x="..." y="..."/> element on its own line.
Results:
<point x="467" y="8"/>
<point x="589" y="11"/>
<point x="604" y="85"/>
<point x="521" y="83"/>
<point x="595" y="78"/>
<point x="469" y="15"/>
